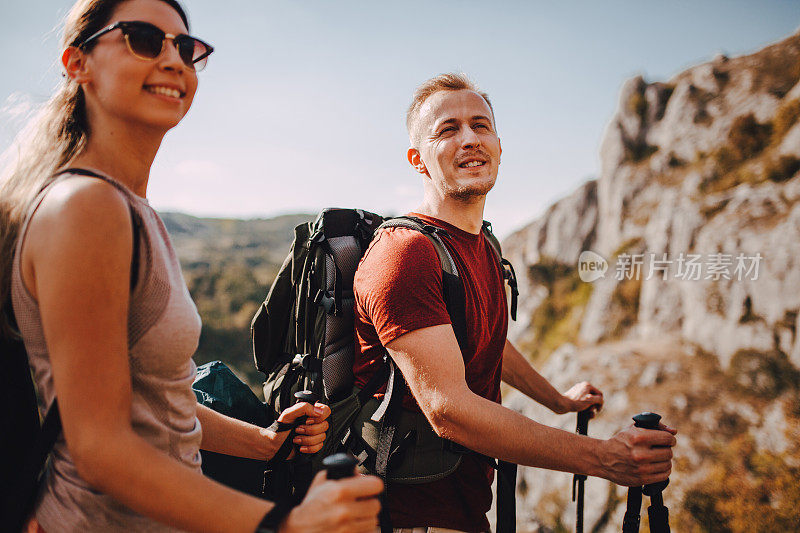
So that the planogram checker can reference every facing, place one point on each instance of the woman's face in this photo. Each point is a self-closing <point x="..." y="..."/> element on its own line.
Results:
<point x="121" y="86"/>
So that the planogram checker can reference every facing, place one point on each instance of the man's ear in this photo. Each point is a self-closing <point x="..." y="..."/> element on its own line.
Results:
<point x="416" y="161"/>
<point x="74" y="62"/>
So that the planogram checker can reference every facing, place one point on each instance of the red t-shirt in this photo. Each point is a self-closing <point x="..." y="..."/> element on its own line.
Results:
<point x="398" y="289"/>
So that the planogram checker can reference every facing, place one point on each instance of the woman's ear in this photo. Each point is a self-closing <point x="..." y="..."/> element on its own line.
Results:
<point x="73" y="59"/>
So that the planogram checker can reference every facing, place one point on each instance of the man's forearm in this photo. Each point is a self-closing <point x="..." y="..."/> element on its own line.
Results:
<point x="519" y="373"/>
<point x="489" y="428"/>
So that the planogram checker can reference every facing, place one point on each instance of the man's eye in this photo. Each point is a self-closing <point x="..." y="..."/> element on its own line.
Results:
<point x="484" y="126"/>
<point x="447" y="129"/>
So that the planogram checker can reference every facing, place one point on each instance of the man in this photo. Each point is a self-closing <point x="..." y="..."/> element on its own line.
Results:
<point x="400" y="308"/>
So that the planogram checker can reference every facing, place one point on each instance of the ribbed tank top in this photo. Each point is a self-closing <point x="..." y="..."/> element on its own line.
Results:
<point x="163" y="332"/>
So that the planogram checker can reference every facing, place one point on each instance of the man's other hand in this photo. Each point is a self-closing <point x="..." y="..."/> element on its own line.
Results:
<point x="637" y="456"/>
<point x="581" y="396"/>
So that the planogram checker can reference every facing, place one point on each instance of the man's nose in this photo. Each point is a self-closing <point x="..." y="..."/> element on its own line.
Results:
<point x="469" y="138"/>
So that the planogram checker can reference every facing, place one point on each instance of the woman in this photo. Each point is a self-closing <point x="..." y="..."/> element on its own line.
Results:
<point x="108" y="322"/>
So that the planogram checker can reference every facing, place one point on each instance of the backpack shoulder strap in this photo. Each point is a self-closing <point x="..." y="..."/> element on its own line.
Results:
<point x="430" y="231"/>
<point x="505" y="265"/>
<point x="452" y="286"/>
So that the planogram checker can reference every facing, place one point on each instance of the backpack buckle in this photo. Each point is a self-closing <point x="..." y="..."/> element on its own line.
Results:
<point x="327" y="302"/>
<point x="301" y="360"/>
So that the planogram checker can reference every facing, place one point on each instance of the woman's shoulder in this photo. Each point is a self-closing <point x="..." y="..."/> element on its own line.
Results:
<point x="80" y="209"/>
<point x="83" y="199"/>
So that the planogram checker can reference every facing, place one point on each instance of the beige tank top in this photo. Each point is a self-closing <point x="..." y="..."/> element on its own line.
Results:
<point x="163" y="332"/>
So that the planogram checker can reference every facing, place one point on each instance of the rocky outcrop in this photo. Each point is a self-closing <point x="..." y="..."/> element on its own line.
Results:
<point x="666" y="186"/>
<point x="701" y="171"/>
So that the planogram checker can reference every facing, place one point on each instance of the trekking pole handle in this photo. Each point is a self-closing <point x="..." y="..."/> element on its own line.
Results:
<point x="649" y="420"/>
<point x="305" y="396"/>
<point x="340" y="465"/>
<point x="646" y="420"/>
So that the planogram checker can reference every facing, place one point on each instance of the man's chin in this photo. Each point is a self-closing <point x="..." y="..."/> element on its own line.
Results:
<point x="471" y="193"/>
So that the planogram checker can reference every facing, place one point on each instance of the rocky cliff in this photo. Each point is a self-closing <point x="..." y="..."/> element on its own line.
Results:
<point x="696" y="212"/>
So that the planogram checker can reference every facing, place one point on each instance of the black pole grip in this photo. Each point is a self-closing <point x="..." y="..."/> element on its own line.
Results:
<point x="340" y="465"/>
<point x="647" y="420"/>
<point x="306" y="396"/>
<point x="650" y="421"/>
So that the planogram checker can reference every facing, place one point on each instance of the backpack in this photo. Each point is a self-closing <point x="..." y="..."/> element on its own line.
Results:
<point x="303" y="338"/>
<point x="218" y="388"/>
<point x="27" y="440"/>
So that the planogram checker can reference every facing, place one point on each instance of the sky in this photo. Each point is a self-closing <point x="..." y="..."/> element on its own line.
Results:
<point x="302" y="105"/>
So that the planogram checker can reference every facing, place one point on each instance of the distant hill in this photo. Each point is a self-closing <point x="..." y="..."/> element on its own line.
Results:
<point x="229" y="265"/>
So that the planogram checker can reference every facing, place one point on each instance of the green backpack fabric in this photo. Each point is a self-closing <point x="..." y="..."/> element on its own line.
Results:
<point x="303" y="339"/>
<point x="218" y="388"/>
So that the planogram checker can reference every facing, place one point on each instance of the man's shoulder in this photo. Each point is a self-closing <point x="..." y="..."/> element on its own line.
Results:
<point x="399" y="244"/>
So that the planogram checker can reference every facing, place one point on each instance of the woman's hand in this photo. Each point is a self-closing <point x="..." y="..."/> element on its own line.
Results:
<point x="347" y="505"/>
<point x="310" y="436"/>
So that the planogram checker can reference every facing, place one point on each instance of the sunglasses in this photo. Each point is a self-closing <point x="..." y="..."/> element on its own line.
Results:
<point x="146" y="41"/>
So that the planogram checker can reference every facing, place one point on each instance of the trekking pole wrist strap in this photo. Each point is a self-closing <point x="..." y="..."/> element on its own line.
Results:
<point x="280" y="427"/>
<point x="287" y="445"/>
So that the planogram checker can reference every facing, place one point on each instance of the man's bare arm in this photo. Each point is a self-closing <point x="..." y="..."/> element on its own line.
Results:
<point x="432" y="364"/>
<point x="518" y="372"/>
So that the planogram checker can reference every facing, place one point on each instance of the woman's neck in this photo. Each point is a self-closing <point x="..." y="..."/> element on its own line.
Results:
<point x="124" y="152"/>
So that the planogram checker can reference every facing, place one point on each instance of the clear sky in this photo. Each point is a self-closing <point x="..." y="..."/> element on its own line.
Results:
<point x="302" y="105"/>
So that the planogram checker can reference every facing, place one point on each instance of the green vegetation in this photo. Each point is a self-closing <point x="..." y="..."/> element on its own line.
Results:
<point x="750" y="141"/>
<point x="747" y="490"/>
<point x="557" y="320"/>
<point x="762" y="374"/>
<point x="228" y="266"/>
<point x="625" y="308"/>
<point x="747" y="140"/>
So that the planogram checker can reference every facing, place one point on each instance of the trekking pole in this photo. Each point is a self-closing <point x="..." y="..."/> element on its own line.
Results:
<point x="340" y="465"/>
<point x="579" y="479"/>
<point x="305" y="396"/>
<point x="302" y="467"/>
<point x="656" y="512"/>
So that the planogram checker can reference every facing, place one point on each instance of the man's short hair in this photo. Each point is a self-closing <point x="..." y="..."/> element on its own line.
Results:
<point x="452" y="81"/>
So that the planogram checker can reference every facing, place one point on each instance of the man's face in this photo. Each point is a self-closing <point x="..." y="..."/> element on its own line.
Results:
<point x="457" y="145"/>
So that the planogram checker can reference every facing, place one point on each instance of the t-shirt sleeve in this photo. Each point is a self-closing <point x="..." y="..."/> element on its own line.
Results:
<point x="398" y="285"/>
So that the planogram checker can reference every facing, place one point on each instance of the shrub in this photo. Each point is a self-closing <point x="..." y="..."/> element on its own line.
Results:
<point x="762" y="374"/>
<point x="746" y="490"/>
<point x="782" y="169"/>
<point x="638" y="151"/>
<point x="747" y="137"/>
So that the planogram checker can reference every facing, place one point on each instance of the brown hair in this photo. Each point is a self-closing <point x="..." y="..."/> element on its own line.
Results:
<point x="55" y="135"/>
<point x="452" y="81"/>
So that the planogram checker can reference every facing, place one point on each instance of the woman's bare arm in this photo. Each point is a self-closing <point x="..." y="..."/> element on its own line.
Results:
<point x="223" y="434"/>
<point x="77" y="259"/>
